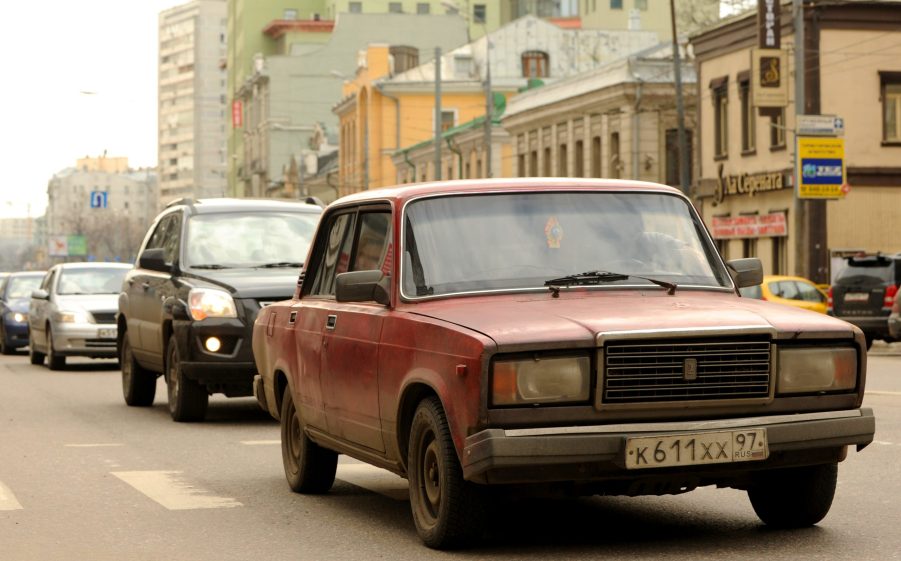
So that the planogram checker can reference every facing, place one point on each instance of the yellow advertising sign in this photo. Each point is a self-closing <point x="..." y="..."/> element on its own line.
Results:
<point x="769" y="78"/>
<point x="821" y="172"/>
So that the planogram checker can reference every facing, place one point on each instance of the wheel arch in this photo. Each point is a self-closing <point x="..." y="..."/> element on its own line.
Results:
<point x="412" y="395"/>
<point x="280" y="383"/>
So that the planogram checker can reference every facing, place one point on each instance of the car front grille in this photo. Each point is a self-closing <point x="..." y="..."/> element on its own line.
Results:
<point x="104" y="317"/>
<point x="669" y="370"/>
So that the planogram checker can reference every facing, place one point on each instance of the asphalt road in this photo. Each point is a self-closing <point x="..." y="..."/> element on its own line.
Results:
<point x="82" y="476"/>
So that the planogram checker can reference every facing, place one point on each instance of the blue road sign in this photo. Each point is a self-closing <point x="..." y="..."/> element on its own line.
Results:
<point x="98" y="199"/>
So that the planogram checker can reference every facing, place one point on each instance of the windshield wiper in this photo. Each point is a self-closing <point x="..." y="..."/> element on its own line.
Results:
<point x="279" y="264"/>
<point x="590" y="278"/>
<point x="209" y="266"/>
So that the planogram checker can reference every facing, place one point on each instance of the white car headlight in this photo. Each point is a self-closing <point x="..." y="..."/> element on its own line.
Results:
<point x="211" y="303"/>
<point x="552" y="379"/>
<point x="816" y="369"/>
<point x="19" y="317"/>
<point x="73" y="316"/>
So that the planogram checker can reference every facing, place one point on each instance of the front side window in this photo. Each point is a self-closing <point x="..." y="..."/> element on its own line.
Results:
<point x="518" y="241"/>
<point x="891" y="106"/>
<point x="249" y="239"/>
<point x="91" y="280"/>
<point x="334" y="257"/>
<point x="373" y="248"/>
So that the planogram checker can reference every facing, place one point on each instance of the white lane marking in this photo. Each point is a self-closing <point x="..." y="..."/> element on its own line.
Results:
<point x="7" y="499"/>
<point x="171" y="491"/>
<point x="868" y="392"/>
<point x="98" y="445"/>
<point x="883" y="443"/>
<point x="260" y="442"/>
<point x="374" y="479"/>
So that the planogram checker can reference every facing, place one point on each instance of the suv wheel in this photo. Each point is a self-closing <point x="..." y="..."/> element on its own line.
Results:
<point x="309" y="468"/>
<point x="34" y="357"/>
<point x="447" y="510"/>
<point x="54" y="360"/>
<point x="188" y="400"/>
<point x="138" y="383"/>
<point x="796" y="497"/>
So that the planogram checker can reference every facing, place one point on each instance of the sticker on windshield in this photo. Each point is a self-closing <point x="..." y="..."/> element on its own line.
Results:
<point x="553" y="231"/>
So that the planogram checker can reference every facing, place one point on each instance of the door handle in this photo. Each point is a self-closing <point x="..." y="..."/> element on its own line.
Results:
<point x="331" y="321"/>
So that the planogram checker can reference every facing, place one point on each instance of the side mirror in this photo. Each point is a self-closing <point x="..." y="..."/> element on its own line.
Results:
<point x="40" y="294"/>
<point x="746" y="272"/>
<point x="153" y="260"/>
<point x="363" y="286"/>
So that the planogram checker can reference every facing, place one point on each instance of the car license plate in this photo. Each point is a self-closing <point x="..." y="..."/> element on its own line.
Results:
<point x="696" y="448"/>
<point x="106" y="333"/>
<point x="857" y="297"/>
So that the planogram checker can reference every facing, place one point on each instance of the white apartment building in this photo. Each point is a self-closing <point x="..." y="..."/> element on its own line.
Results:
<point x="192" y="102"/>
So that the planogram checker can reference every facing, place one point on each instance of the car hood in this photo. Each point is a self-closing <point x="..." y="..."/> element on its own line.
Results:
<point x="254" y="283"/>
<point x="581" y="316"/>
<point x="89" y="302"/>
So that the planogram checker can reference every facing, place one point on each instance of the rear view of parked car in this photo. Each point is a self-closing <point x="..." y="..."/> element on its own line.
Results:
<point x="73" y="313"/>
<point x="864" y="293"/>
<point x="15" y="292"/>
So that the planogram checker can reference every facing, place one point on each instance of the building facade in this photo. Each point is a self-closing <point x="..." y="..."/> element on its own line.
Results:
<point x="111" y="209"/>
<point x="191" y="100"/>
<point x="747" y="188"/>
<point x="650" y="15"/>
<point x="619" y="121"/>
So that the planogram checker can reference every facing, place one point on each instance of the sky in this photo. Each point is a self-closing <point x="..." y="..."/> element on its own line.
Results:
<point x="80" y="79"/>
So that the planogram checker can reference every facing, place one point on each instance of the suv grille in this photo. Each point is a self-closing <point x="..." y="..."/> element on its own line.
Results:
<point x="667" y="370"/>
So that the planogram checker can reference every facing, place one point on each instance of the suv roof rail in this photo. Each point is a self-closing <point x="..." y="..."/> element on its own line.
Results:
<point x="181" y="201"/>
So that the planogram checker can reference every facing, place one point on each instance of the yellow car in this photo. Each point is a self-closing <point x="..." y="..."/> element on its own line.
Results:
<point x="793" y="291"/>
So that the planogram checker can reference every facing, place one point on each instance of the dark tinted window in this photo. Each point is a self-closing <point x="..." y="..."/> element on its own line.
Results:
<point x="880" y="271"/>
<point x="334" y="258"/>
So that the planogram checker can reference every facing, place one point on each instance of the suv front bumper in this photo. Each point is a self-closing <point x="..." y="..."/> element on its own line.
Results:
<point x="231" y="369"/>
<point x="597" y="453"/>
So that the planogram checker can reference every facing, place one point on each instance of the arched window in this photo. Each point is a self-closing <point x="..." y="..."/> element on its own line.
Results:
<point x="535" y="64"/>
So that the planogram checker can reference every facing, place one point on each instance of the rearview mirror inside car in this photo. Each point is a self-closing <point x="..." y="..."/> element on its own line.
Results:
<point x="746" y="272"/>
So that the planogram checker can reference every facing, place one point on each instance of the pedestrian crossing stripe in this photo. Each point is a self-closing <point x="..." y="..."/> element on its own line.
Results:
<point x="170" y="490"/>
<point x="7" y="499"/>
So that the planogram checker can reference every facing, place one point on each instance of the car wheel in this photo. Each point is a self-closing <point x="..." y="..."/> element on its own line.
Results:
<point x="309" y="468"/>
<point x="188" y="400"/>
<point x="4" y="347"/>
<point x="795" y="497"/>
<point x="34" y="357"/>
<point x="54" y="360"/>
<point x="138" y="383"/>
<point x="869" y="341"/>
<point x="447" y="510"/>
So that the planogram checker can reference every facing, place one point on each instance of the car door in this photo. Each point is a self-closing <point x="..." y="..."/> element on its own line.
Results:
<point x="350" y="342"/>
<point x="38" y="311"/>
<point x="811" y="297"/>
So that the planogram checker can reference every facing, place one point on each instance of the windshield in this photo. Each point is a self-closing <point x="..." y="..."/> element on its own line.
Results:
<point x="106" y="280"/>
<point x="516" y="241"/>
<point x="22" y="287"/>
<point x="249" y="239"/>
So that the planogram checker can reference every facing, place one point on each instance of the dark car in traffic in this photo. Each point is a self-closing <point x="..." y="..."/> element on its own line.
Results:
<point x="204" y="271"/>
<point x="864" y="292"/>
<point x="15" y="292"/>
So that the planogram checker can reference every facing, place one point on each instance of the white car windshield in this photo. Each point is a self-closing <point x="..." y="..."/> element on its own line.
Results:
<point x="472" y="243"/>
<point x="106" y="280"/>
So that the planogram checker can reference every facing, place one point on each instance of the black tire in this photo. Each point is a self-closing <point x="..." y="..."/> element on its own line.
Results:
<point x="188" y="400"/>
<point x="34" y="357"/>
<point x="138" y="383"/>
<point x="796" y="497"/>
<point x="309" y="468"/>
<point x="448" y="511"/>
<point x="54" y="360"/>
<point x="869" y="342"/>
<point x="4" y="348"/>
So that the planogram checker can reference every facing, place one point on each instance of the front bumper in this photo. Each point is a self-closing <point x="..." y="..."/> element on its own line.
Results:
<point x="16" y="333"/>
<point x="92" y="340"/>
<point x="597" y="453"/>
<point x="231" y="369"/>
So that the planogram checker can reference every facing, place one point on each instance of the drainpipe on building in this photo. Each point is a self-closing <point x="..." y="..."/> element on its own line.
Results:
<point x="636" y="135"/>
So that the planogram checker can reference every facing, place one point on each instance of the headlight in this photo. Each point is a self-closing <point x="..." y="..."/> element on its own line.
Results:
<point x="73" y="316"/>
<point x="820" y="369"/>
<point x="211" y="303"/>
<point x="19" y="317"/>
<point x="540" y="380"/>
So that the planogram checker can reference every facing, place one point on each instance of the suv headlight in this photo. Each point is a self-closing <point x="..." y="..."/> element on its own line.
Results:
<point x="211" y="303"/>
<point x="816" y="369"/>
<point x="548" y="379"/>
<point x="73" y="316"/>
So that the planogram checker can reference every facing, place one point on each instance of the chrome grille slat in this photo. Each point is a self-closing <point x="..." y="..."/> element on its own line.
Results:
<point x="652" y="371"/>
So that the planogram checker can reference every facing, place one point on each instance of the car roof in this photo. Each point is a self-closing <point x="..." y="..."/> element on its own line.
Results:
<point x="94" y="265"/>
<point x="403" y="193"/>
<point x="224" y="204"/>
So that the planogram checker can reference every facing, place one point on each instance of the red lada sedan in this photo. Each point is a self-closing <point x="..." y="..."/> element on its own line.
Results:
<point x="568" y="334"/>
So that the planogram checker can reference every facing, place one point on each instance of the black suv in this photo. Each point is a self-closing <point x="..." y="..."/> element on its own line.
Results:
<point x="864" y="291"/>
<point x="187" y="308"/>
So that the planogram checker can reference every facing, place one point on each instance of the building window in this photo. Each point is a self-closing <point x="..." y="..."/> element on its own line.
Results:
<point x="749" y="247"/>
<point x="405" y="57"/>
<point x="780" y="256"/>
<point x="448" y="120"/>
<point x="580" y="159"/>
<point x="721" y="120"/>
<point x="534" y="64"/>
<point x="616" y="164"/>
<point x="395" y="8"/>
<point x="479" y="12"/>
<point x="748" y="121"/>
<point x="546" y="172"/>
<point x="596" y="156"/>
<point x="722" y="246"/>
<point x="616" y="4"/>
<point x="422" y="8"/>
<point x="891" y="104"/>
<point x="562" y="157"/>
<point x="673" y="161"/>
<point x="355" y="7"/>
<point x="289" y="14"/>
<point x="777" y="129"/>
<point x="641" y="5"/>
